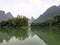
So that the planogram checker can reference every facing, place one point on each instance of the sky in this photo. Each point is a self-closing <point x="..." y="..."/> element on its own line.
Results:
<point x="28" y="8"/>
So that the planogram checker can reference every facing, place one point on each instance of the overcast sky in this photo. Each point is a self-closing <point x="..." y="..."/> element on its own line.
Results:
<point x="27" y="8"/>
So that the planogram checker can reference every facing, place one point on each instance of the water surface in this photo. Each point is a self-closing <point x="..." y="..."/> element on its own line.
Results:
<point x="20" y="37"/>
<point x="29" y="37"/>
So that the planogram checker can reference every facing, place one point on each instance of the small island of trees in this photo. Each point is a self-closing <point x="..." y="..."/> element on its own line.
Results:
<point x="15" y="23"/>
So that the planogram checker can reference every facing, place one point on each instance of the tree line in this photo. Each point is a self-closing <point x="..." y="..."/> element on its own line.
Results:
<point x="15" y="22"/>
<point x="51" y="23"/>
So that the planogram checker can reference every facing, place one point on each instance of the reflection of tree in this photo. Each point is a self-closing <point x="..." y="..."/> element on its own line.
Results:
<point x="4" y="36"/>
<point x="8" y="34"/>
<point x="21" y="34"/>
<point x="50" y="37"/>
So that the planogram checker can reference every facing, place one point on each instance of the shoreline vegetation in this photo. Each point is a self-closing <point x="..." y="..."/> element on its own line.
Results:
<point x="50" y="24"/>
<point x="19" y="22"/>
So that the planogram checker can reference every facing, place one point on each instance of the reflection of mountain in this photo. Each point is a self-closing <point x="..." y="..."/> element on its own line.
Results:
<point x="8" y="34"/>
<point x="19" y="37"/>
<point x="49" y="37"/>
<point x="35" y="40"/>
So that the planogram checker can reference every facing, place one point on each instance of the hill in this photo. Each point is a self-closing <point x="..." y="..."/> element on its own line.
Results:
<point x="49" y="13"/>
<point x="5" y="16"/>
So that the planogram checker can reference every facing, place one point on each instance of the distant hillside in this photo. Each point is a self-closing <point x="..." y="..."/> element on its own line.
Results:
<point x="31" y="20"/>
<point x="4" y="16"/>
<point x="50" y="12"/>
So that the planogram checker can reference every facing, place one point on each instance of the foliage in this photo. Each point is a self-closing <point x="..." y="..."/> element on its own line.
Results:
<point x="52" y="23"/>
<point x="15" y="23"/>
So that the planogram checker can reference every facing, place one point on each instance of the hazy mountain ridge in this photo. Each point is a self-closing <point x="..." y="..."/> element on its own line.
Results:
<point x="31" y="20"/>
<point x="5" y="16"/>
<point x="50" y="12"/>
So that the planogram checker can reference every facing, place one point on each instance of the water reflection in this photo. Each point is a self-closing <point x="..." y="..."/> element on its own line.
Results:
<point x="19" y="37"/>
<point x="49" y="37"/>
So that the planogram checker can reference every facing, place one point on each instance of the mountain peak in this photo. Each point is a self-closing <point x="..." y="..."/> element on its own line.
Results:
<point x="53" y="8"/>
<point x="9" y="12"/>
<point x="50" y="12"/>
<point x="2" y="12"/>
<point x="9" y="15"/>
<point x="5" y="16"/>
